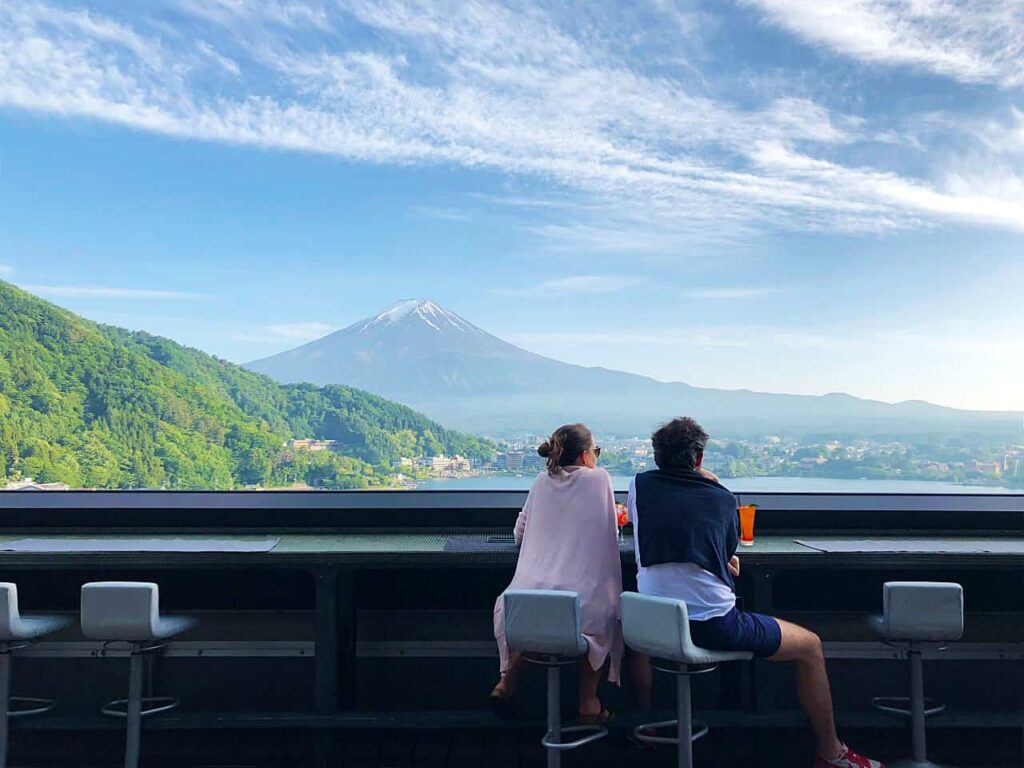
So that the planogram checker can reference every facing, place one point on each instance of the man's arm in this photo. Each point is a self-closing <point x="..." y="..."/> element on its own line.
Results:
<point x="734" y="566"/>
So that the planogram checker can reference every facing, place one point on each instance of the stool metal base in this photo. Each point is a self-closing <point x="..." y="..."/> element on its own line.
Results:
<point x="552" y="739"/>
<point x="150" y="706"/>
<point x="136" y="706"/>
<point x="14" y="706"/>
<point x="596" y="732"/>
<point x="684" y="723"/>
<point x="32" y="706"/>
<point x="892" y="704"/>
<point x="698" y="730"/>
<point x="915" y="707"/>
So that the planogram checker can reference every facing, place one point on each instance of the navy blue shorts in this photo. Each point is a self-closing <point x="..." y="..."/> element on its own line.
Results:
<point x="738" y="631"/>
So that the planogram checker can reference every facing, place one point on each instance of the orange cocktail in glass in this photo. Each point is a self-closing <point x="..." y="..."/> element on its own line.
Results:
<point x="621" y="518"/>
<point x="747" y="512"/>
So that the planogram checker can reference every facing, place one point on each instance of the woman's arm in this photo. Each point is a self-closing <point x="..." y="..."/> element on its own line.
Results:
<point x="520" y="529"/>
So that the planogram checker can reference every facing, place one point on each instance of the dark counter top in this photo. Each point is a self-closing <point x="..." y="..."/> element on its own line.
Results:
<point x="394" y="549"/>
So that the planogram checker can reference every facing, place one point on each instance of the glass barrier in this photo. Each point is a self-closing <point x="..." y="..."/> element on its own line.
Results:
<point x="320" y="246"/>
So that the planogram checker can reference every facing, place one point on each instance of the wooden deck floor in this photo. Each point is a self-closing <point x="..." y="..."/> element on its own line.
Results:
<point x="726" y="748"/>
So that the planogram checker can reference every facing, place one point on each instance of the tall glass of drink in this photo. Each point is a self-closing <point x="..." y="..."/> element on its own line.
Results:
<point x="747" y="512"/>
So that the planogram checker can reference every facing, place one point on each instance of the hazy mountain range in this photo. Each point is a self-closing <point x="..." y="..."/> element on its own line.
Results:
<point x="425" y="356"/>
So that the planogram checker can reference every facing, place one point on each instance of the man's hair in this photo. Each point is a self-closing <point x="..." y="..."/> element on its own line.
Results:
<point x="677" y="443"/>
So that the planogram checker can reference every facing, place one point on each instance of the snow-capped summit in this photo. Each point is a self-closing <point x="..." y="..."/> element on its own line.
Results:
<point x="413" y="345"/>
<point x="418" y="310"/>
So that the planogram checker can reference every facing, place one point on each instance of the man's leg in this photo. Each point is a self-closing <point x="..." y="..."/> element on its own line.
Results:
<point x="803" y="647"/>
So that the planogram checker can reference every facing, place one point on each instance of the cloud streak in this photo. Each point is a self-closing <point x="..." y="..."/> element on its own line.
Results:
<point x="291" y="333"/>
<point x="577" y="285"/>
<point x="99" y="292"/>
<point x="729" y="294"/>
<point x="655" y="163"/>
<point x="974" y="41"/>
<point x="300" y="331"/>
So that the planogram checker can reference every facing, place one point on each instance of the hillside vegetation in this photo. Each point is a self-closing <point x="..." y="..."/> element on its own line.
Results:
<point x="101" y="407"/>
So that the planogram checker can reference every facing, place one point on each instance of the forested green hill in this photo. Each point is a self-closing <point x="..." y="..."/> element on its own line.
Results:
<point x="100" y="407"/>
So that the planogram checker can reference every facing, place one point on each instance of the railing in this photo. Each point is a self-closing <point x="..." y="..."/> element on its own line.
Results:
<point x="447" y="510"/>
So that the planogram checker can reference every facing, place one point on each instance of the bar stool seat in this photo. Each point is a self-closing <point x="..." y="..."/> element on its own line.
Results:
<point x="17" y="631"/>
<point x="31" y="627"/>
<point x="544" y="625"/>
<point x="915" y="613"/>
<point x="660" y="628"/>
<point x="129" y="611"/>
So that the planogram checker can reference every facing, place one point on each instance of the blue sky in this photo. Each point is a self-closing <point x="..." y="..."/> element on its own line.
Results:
<point x="773" y="194"/>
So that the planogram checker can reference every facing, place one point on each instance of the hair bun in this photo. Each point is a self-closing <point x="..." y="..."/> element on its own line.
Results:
<point x="552" y="449"/>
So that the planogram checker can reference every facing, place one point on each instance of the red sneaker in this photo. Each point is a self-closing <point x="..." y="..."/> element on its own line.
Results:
<point x="847" y="759"/>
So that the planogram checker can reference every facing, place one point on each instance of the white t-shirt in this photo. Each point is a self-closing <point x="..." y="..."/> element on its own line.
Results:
<point x="705" y="595"/>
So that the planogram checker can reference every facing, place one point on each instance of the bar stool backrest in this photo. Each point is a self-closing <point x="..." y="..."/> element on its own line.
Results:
<point x="656" y="626"/>
<point x="544" y="621"/>
<point x="922" y="610"/>
<point x="9" y="616"/>
<point x="660" y="628"/>
<point x="120" y="610"/>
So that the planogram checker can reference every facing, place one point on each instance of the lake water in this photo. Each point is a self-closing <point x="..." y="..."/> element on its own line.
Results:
<point x="743" y="484"/>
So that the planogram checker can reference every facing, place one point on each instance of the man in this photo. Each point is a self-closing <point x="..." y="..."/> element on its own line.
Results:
<point x="685" y="531"/>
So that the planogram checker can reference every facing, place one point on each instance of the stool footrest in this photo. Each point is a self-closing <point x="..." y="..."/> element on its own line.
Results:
<point x="675" y="668"/>
<point x="698" y="729"/>
<point x="595" y="732"/>
<point x="900" y="705"/>
<point x="31" y="706"/>
<point x="150" y="706"/>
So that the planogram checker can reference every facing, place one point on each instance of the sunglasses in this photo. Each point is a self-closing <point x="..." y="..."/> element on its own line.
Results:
<point x="597" y="451"/>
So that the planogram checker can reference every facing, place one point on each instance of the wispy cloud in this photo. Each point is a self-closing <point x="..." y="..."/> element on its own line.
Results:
<point x="710" y="339"/>
<point x="969" y="40"/>
<point x="6" y="269"/>
<point x="99" y="292"/>
<point x="300" y="331"/>
<point x="442" y="214"/>
<point x="657" y="161"/>
<point x="532" y="202"/>
<point x="576" y="285"/>
<point x="292" y="333"/>
<point x="729" y="293"/>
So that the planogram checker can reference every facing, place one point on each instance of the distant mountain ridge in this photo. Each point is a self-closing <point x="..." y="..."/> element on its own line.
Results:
<point x="430" y="358"/>
<point x="97" y="406"/>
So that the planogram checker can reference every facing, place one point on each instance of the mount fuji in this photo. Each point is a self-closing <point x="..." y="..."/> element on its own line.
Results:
<point x="428" y="357"/>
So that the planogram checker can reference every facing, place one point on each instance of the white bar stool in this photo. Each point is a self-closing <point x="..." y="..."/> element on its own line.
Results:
<point x="129" y="611"/>
<point x="916" y="612"/>
<point x="17" y="631"/>
<point x="660" y="628"/>
<point x="544" y="625"/>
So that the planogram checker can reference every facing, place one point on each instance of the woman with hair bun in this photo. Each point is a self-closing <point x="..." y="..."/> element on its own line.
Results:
<point x="568" y="539"/>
